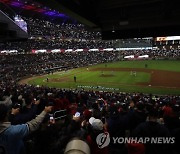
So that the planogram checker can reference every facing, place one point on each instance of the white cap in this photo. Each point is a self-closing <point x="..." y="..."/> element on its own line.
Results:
<point x="20" y="97"/>
<point x="49" y="94"/>
<point x="91" y="120"/>
<point x="97" y="124"/>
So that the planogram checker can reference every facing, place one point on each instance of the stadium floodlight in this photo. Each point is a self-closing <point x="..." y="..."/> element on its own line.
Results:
<point x="55" y="50"/>
<point x="93" y="49"/>
<point x="40" y="51"/>
<point x="69" y="50"/>
<point x="108" y="49"/>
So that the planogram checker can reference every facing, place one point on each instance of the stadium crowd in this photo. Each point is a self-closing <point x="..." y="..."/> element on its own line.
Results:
<point x="48" y="43"/>
<point x="157" y="53"/>
<point x="48" y="35"/>
<point x="28" y="123"/>
<point x="39" y="27"/>
<point x="88" y="113"/>
<point x="15" y="66"/>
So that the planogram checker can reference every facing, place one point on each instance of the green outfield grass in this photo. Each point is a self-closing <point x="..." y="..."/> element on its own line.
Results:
<point x="169" y="65"/>
<point x="114" y="80"/>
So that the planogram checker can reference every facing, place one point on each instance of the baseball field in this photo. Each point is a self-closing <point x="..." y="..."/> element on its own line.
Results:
<point x="148" y="76"/>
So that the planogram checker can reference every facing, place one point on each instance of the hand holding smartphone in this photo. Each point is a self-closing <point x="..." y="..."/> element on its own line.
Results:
<point x="51" y="120"/>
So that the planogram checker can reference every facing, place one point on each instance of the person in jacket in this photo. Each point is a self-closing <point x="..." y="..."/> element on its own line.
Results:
<point x="24" y="116"/>
<point x="11" y="136"/>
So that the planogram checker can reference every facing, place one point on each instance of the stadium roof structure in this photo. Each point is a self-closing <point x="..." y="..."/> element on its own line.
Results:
<point x="33" y="8"/>
<point x="11" y="29"/>
<point x="123" y="18"/>
<point x="116" y="19"/>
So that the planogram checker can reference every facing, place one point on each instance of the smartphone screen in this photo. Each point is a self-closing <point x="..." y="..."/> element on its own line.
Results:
<point x="51" y="118"/>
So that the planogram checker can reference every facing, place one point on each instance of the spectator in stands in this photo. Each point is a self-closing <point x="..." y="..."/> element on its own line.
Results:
<point x="96" y="128"/>
<point x="11" y="137"/>
<point x="24" y="115"/>
<point x="137" y="116"/>
<point x="6" y="100"/>
<point x="152" y="128"/>
<point x="172" y="120"/>
<point x="116" y="125"/>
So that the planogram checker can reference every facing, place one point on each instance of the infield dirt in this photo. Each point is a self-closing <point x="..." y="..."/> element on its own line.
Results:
<point x="158" y="77"/>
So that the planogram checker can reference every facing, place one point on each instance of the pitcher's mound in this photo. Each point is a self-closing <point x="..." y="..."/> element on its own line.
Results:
<point x="106" y="75"/>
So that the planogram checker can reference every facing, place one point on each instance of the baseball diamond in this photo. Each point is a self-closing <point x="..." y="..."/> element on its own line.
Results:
<point x="161" y="77"/>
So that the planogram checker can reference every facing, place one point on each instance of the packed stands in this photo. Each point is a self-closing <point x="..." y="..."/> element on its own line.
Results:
<point x="119" y="114"/>
<point x="48" y="35"/>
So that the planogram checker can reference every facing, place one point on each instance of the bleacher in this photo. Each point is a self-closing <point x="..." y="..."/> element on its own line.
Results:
<point x="133" y="43"/>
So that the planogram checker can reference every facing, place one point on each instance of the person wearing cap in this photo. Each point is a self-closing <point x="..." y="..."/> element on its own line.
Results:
<point x="11" y="136"/>
<point x="97" y="127"/>
<point x="27" y="114"/>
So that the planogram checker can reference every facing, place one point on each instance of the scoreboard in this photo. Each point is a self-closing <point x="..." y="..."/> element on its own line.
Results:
<point x="168" y="38"/>
<point x="167" y="42"/>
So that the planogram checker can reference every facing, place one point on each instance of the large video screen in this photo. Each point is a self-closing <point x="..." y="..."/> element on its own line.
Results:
<point x="21" y="23"/>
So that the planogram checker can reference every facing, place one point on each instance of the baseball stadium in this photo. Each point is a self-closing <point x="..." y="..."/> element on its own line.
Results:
<point x="146" y="76"/>
<point x="89" y="77"/>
